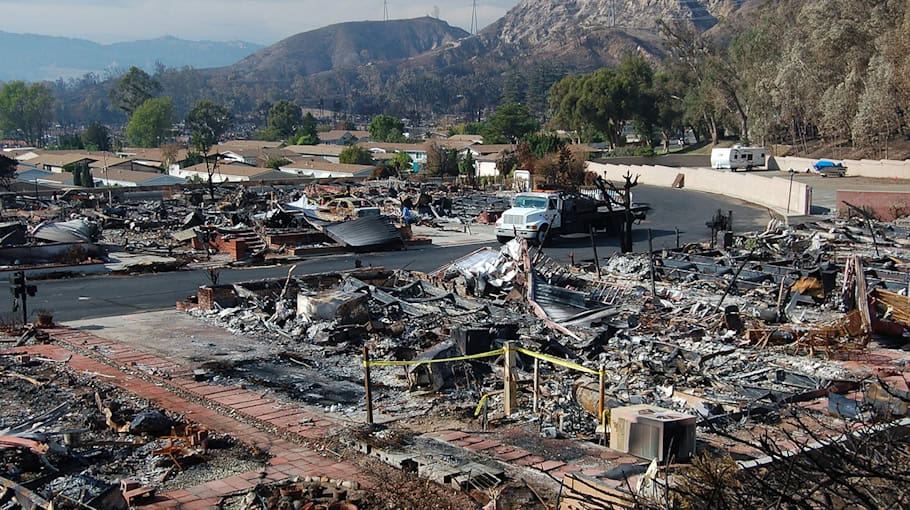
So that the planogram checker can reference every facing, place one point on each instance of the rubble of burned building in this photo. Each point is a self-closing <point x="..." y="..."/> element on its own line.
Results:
<point x="505" y="367"/>
<point x="70" y="440"/>
<point x="166" y="228"/>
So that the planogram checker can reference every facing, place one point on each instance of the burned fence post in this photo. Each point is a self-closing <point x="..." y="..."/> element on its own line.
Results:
<point x="536" y="401"/>
<point x="600" y="399"/>
<point x="509" y="387"/>
<point x="594" y="249"/>
<point x="367" y="385"/>
<point x="651" y="263"/>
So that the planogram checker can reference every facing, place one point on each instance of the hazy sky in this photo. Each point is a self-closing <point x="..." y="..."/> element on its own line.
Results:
<point x="260" y="21"/>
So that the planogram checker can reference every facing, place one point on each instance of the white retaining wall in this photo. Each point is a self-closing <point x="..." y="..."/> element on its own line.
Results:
<point x="879" y="169"/>
<point x="775" y="193"/>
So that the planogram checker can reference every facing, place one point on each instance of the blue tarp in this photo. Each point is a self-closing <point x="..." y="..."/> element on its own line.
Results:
<point x="826" y="163"/>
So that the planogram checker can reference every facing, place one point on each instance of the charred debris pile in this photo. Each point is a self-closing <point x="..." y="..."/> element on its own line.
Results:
<point x="711" y="343"/>
<point x="168" y="228"/>
<point x="69" y="440"/>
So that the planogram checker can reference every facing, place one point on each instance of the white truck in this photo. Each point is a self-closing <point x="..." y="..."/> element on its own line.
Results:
<point x="539" y="215"/>
<point x="736" y="157"/>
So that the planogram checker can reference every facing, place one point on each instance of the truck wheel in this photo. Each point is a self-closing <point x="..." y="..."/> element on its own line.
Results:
<point x="541" y="237"/>
<point x="503" y="239"/>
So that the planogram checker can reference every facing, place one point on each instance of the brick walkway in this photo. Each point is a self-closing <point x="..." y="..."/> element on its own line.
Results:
<point x="172" y="386"/>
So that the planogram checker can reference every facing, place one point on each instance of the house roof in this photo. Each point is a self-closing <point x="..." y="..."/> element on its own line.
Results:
<point x="234" y="169"/>
<point x="467" y="138"/>
<point x="117" y="174"/>
<point x="492" y="148"/>
<point x="394" y="147"/>
<point x="235" y="145"/>
<point x="57" y="159"/>
<point x="321" y="164"/>
<point x="338" y="134"/>
<point x="150" y="154"/>
<point x="316" y="150"/>
<point x="130" y="165"/>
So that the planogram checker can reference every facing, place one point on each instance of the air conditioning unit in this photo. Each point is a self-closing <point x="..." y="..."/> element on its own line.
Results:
<point x="652" y="432"/>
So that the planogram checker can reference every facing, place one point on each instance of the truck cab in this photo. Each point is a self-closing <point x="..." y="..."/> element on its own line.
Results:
<point x="533" y="216"/>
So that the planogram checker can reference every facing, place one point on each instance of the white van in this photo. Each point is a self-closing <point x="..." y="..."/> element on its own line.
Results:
<point x="738" y="157"/>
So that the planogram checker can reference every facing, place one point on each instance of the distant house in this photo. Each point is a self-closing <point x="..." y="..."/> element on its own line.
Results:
<point x="132" y="179"/>
<point x="343" y="137"/>
<point x="43" y="177"/>
<point x="130" y="165"/>
<point x="318" y="168"/>
<point x="155" y="157"/>
<point x="328" y="152"/>
<point x="56" y="162"/>
<point x="417" y="151"/>
<point x="230" y="171"/>
<point x="256" y="157"/>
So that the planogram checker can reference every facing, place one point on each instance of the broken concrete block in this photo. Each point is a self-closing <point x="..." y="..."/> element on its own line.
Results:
<point x="343" y="307"/>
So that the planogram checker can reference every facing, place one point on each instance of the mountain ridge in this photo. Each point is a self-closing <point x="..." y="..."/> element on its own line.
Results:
<point x="47" y="58"/>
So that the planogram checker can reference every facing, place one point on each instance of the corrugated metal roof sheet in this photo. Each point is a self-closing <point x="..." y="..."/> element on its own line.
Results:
<point x="363" y="232"/>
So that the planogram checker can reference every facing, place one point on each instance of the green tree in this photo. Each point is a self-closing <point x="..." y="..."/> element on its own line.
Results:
<point x="467" y="167"/>
<point x="401" y="163"/>
<point x="509" y="124"/>
<point x="441" y="161"/>
<point x="151" y="122"/>
<point x="542" y="144"/>
<point x="355" y="155"/>
<point x="385" y="128"/>
<point x="285" y="118"/>
<point x="96" y="137"/>
<point x="133" y="89"/>
<point x="26" y="111"/>
<point x="207" y="122"/>
<point x="308" y="132"/>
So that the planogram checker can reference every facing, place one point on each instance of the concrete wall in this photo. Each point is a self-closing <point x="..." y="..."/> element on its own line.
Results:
<point x="879" y="169"/>
<point x="689" y="160"/>
<point x="774" y="193"/>
<point x="886" y="205"/>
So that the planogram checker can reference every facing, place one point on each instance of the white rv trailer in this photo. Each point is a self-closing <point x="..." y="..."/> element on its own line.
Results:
<point x="737" y="157"/>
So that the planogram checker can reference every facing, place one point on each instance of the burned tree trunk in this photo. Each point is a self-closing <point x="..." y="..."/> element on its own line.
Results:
<point x="621" y="199"/>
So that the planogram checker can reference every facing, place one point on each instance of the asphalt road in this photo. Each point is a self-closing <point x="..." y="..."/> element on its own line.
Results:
<point x="101" y="296"/>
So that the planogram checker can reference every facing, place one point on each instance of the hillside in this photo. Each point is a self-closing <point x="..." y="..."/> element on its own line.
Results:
<point x="40" y="57"/>
<point x="424" y="67"/>
<point x="345" y="45"/>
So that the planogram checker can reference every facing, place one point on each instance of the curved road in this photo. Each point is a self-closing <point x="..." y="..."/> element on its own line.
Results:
<point x="101" y="296"/>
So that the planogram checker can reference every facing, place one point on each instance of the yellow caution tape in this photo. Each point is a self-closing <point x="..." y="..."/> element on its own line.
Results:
<point x="551" y="359"/>
<point x="383" y="363"/>
<point x="483" y="399"/>
<point x="558" y="361"/>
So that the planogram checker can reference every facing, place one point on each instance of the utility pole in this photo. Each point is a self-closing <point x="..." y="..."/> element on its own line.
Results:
<point x="612" y="13"/>
<point x="385" y="10"/>
<point x="474" y="25"/>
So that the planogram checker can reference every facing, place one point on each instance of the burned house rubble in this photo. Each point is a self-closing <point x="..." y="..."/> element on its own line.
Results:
<point x="167" y="228"/>
<point x="520" y="380"/>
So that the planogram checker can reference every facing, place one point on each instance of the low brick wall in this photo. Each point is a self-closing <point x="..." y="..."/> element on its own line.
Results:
<point x="885" y="205"/>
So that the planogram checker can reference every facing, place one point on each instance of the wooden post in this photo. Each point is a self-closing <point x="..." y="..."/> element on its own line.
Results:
<point x="509" y="388"/>
<point x="536" y="383"/>
<point x="594" y="248"/>
<point x="366" y="384"/>
<point x="600" y="401"/>
<point x="677" y="237"/>
<point x="651" y="263"/>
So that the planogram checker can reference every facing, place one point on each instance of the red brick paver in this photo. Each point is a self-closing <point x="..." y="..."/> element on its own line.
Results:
<point x="290" y="459"/>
